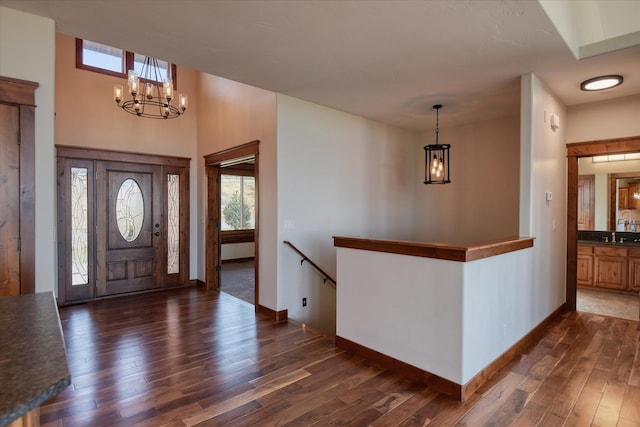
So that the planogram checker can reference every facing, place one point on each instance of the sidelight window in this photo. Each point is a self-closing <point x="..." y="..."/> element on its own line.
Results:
<point x="173" y="224"/>
<point x="79" y="222"/>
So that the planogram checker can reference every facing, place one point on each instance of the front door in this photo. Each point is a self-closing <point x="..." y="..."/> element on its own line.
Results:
<point x="129" y="224"/>
<point x="123" y="222"/>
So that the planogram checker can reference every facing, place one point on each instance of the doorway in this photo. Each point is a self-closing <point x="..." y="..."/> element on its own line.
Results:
<point x="122" y="223"/>
<point x="240" y="166"/>
<point x="599" y="265"/>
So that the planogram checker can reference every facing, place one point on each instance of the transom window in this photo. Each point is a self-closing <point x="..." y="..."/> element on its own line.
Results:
<point x="105" y="59"/>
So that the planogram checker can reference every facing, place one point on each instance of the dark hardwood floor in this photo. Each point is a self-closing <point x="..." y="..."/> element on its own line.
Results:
<point x="191" y="358"/>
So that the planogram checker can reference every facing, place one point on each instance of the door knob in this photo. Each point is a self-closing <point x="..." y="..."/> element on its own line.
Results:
<point x="157" y="233"/>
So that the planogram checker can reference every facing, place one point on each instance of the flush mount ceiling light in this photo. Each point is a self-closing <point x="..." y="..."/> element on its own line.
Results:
<point x="151" y="93"/>
<point x="436" y="164"/>
<point x="601" y="83"/>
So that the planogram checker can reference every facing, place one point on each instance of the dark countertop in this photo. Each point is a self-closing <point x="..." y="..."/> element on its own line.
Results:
<point x="33" y="358"/>
<point x="622" y="245"/>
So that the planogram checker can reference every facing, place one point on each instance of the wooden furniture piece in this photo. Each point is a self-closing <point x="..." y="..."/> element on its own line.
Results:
<point x="17" y="177"/>
<point x="33" y="359"/>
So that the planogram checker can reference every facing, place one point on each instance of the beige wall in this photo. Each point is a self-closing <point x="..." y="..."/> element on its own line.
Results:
<point x="481" y="203"/>
<point x="617" y="118"/>
<point x="27" y="52"/>
<point x="87" y="116"/>
<point x="232" y="114"/>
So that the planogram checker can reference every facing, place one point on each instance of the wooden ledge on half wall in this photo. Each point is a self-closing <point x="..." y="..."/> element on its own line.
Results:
<point x="450" y="252"/>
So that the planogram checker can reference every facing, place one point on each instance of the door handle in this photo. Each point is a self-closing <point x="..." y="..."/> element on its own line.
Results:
<point x="157" y="233"/>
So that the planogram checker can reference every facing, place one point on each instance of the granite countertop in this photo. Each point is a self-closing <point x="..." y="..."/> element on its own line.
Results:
<point x="33" y="358"/>
<point x="603" y="243"/>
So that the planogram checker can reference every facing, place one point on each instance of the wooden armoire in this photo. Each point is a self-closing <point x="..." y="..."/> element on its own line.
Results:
<point x="17" y="186"/>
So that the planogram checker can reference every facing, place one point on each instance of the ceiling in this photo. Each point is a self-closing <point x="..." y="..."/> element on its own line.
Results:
<point x="388" y="61"/>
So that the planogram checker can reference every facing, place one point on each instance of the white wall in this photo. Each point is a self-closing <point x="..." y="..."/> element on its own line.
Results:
<point x="448" y="318"/>
<point x="407" y="307"/>
<point x="496" y="306"/>
<point x="230" y="251"/>
<point x="27" y="52"/>
<point x="338" y="174"/>
<point x="543" y="166"/>
<point x="481" y="202"/>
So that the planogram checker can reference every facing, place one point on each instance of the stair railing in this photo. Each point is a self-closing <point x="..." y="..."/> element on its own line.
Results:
<point x="313" y="264"/>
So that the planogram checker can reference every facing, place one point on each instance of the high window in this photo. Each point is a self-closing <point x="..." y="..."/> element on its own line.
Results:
<point x="105" y="59"/>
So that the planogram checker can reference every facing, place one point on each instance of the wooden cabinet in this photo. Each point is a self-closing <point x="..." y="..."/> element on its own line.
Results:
<point x="613" y="267"/>
<point x="633" y="284"/>
<point x="585" y="265"/>
<point x="610" y="269"/>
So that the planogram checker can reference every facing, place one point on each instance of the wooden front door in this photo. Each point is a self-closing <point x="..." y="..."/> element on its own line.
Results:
<point x="123" y="222"/>
<point x="129" y="227"/>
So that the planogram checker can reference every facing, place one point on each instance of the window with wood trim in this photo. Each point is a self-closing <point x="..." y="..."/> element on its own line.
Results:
<point x="112" y="61"/>
<point x="237" y="203"/>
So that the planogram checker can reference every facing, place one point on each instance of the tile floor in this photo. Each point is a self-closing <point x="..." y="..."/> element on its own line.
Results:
<point x="609" y="304"/>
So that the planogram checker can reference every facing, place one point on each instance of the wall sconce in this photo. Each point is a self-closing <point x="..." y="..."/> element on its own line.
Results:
<point x="436" y="164"/>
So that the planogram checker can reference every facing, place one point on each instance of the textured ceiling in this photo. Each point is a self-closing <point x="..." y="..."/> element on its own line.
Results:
<point x="389" y="61"/>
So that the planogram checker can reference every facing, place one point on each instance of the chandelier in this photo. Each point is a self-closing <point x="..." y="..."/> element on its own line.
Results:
<point x="151" y="93"/>
<point x="436" y="165"/>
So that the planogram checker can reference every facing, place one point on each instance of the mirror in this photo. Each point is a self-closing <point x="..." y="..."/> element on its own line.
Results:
<point x="609" y="193"/>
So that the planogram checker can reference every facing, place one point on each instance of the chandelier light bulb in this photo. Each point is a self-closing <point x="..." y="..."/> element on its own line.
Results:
<point x="117" y="93"/>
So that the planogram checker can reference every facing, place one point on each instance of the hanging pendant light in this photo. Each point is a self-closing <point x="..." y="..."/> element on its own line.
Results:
<point x="151" y="93"/>
<point x="436" y="164"/>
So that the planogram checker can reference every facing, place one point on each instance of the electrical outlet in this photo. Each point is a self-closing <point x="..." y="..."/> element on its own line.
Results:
<point x="304" y="301"/>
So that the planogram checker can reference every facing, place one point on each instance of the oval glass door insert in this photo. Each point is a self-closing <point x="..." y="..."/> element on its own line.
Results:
<point x="129" y="210"/>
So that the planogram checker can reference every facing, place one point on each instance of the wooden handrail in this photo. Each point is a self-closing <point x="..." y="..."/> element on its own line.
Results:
<point x="306" y="258"/>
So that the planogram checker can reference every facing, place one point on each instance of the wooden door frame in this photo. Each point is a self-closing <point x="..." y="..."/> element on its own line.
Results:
<point x="21" y="93"/>
<point x="212" y="164"/>
<point x="574" y="152"/>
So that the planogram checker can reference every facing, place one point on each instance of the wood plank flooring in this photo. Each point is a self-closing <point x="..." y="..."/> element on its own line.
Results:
<point x="193" y="358"/>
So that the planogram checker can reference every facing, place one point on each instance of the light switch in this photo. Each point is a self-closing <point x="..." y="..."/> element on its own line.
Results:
<point x="549" y="196"/>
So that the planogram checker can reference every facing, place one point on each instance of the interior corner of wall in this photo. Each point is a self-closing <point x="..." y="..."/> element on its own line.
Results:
<point x="526" y="118"/>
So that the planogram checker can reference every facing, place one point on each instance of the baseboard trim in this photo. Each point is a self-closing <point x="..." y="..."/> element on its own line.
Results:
<point x="438" y="383"/>
<point x="442" y="385"/>
<point x="278" y="316"/>
<point x="505" y="358"/>
<point x="229" y="261"/>
<point x="196" y="282"/>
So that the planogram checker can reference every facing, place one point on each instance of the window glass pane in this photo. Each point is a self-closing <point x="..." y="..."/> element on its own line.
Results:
<point x="173" y="221"/>
<point x="249" y="193"/>
<point x="165" y="74"/>
<point x="102" y="56"/>
<point x="129" y="210"/>
<point x="79" y="220"/>
<point x="237" y="202"/>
